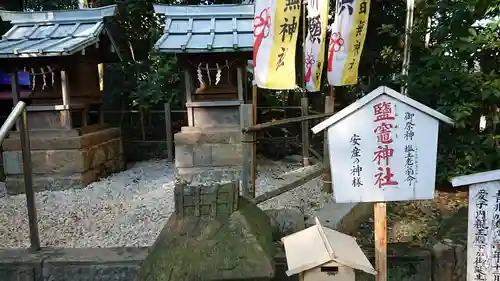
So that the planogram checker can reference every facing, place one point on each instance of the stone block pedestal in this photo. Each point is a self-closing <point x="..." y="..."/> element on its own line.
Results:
<point x="63" y="159"/>
<point x="208" y="150"/>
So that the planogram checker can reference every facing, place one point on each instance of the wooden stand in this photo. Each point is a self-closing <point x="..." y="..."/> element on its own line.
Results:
<point x="380" y="222"/>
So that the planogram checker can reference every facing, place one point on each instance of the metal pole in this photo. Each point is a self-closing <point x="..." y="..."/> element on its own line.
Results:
<point x="11" y="120"/>
<point x="27" y="168"/>
<point x="407" y="47"/>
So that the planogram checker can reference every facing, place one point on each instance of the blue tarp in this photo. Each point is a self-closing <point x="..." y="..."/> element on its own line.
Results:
<point x="24" y="78"/>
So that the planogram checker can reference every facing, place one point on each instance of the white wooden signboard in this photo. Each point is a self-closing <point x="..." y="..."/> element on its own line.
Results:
<point x="483" y="239"/>
<point x="383" y="148"/>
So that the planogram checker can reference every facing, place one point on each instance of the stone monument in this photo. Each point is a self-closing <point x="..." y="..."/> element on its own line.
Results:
<point x="71" y="145"/>
<point x="214" y="234"/>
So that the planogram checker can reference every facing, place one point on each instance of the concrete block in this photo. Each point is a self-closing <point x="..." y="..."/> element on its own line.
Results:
<point x="44" y="143"/>
<point x="47" y="119"/>
<point x="44" y="162"/>
<point x="48" y="133"/>
<point x="101" y="153"/>
<point x="200" y="175"/>
<point x="15" y="183"/>
<point x="184" y="156"/>
<point x="106" y="264"/>
<point x="202" y="155"/>
<point x="200" y="136"/>
<point x="100" y="136"/>
<point x="227" y="155"/>
<point x="53" y="182"/>
<point x="12" y="162"/>
<point x="217" y="200"/>
<point x="110" y="264"/>
<point x="115" y="165"/>
<point x="344" y="217"/>
<point x="20" y="265"/>
<point x="62" y="140"/>
<point x="216" y="116"/>
<point x="93" y="156"/>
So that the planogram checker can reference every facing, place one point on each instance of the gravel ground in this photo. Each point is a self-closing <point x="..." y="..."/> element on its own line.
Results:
<point x="131" y="207"/>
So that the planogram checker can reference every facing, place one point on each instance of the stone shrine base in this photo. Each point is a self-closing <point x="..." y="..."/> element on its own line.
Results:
<point x="63" y="159"/>
<point x="214" y="149"/>
<point x="239" y="247"/>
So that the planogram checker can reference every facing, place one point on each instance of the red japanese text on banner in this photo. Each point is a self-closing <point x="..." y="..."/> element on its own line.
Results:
<point x="346" y="41"/>
<point x="275" y="36"/>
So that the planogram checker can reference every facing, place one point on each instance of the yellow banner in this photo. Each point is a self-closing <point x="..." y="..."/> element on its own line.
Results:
<point x="314" y="50"/>
<point x="281" y="68"/>
<point x="357" y="40"/>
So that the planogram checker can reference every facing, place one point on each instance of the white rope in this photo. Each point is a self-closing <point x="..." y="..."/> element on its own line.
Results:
<point x="208" y="74"/>
<point x="43" y="73"/>
<point x="200" y="77"/>
<point x="207" y="67"/>
<point x="218" y="75"/>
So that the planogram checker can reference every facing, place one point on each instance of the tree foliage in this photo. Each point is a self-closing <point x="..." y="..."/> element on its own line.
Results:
<point x="455" y="71"/>
<point x="459" y="75"/>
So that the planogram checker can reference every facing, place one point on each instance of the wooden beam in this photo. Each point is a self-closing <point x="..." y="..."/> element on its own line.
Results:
<point x="317" y="170"/>
<point x="316" y="154"/>
<point x="66" y="116"/>
<point x="304" y="102"/>
<point x="168" y="133"/>
<point x="247" y="142"/>
<point x="284" y="122"/>
<point x="255" y="92"/>
<point x="189" y="89"/>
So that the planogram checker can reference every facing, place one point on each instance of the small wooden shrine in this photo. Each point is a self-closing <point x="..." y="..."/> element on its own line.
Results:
<point x="213" y="44"/>
<point x="71" y="145"/>
<point x="229" y="237"/>
<point x="331" y="255"/>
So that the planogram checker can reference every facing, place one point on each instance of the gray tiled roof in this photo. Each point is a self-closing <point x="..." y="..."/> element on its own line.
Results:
<point x="206" y="28"/>
<point x="53" y="33"/>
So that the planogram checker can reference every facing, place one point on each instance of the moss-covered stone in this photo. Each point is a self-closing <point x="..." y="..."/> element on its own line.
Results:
<point x="200" y="248"/>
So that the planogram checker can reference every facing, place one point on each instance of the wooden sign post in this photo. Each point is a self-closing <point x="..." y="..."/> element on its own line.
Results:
<point x="383" y="148"/>
<point x="483" y="235"/>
